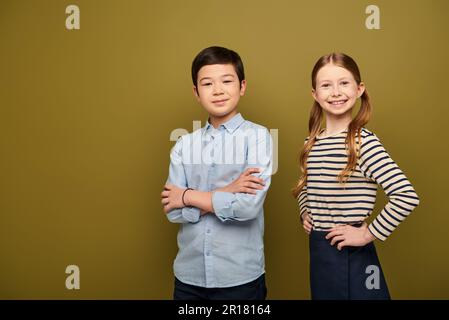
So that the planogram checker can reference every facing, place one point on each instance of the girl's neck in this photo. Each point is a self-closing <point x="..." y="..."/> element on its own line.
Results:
<point x="336" y="124"/>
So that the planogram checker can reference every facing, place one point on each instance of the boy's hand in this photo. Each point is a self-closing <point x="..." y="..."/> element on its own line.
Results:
<point x="307" y="222"/>
<point x="245" y="183"/>
<point x="172" y="197"/>
<point x="347" y="235"/>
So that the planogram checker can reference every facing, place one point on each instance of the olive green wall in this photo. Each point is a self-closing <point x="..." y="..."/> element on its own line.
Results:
<point x="86" y="115"/>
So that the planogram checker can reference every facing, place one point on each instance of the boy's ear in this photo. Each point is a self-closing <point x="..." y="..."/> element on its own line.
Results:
<point x="360" y="89"/>
<point x="195" y="92"/>
<point x="242" y="87"/>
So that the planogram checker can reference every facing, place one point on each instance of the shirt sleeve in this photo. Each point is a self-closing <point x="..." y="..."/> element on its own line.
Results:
<point x="177" y="177"/>
<point x="242" y="206"/>
<point x="377" y="165"/>
<point x="302" y="202"/>
<point x="302" y="198"/>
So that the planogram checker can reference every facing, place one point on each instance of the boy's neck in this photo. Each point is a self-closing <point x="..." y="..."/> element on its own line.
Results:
<point x="218" y="121"/>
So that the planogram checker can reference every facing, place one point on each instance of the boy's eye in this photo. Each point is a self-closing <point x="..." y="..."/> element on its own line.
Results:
<point x="345" y="82"/>
<point x="325" y="85"/>
<point x="206" y="84"/>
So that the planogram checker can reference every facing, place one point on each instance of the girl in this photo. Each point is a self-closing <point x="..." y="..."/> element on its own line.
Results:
<point x="341" y="166"/>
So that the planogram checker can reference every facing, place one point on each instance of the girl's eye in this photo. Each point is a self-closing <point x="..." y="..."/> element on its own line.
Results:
<point x="206" y="84"/>
<point x="227" y="81"/>
<point x="326" y="85"/>
<point x="345" y="83"/>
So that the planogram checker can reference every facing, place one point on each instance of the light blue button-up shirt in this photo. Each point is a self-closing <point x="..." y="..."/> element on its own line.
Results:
<point x="226" y="248"/>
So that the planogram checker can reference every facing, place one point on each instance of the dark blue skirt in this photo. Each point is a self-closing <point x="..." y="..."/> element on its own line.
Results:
<point x="354" y="273"/>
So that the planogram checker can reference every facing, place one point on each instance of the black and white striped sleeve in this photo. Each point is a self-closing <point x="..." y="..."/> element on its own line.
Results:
<point x="377" y="165"/>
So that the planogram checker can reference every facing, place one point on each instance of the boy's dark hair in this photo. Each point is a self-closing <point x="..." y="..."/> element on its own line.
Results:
<point x="217" y="55"/>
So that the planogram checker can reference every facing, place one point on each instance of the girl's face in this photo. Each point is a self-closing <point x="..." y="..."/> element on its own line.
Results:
<point x="336" y="90"/>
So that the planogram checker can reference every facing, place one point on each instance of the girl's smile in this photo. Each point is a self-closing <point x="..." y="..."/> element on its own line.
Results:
<point x="338" y="102"/>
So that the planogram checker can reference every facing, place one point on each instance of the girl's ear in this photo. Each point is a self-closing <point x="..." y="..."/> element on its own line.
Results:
<point x="360" y="89"/>
<point x="242" y="87"/>
<point x="314" y="95"/>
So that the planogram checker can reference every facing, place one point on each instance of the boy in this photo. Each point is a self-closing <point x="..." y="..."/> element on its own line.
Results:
<point x="218" y="179"/>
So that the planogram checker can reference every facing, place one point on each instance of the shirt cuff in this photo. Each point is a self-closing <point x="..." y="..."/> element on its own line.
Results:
<point x="191" y="214"/>
<point x="222" y="204"/>
<point x="376" y="233"/>
<point x="301" y="214"/>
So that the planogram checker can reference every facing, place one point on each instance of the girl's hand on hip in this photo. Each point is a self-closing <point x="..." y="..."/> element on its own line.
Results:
<point x="347" y="235"/>
<point x="307" y="222"/>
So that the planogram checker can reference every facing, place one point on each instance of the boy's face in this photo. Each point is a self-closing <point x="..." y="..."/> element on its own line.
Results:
<point x="219" y="90"/>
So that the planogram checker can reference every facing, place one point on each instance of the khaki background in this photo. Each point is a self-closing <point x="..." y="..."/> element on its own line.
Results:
<point x="85" y="119"/>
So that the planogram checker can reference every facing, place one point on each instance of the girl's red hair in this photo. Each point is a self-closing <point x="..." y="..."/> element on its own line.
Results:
<point x="316" y="119"/>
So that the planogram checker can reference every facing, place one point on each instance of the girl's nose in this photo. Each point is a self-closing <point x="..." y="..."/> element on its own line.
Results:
<point x="336" y="91"/>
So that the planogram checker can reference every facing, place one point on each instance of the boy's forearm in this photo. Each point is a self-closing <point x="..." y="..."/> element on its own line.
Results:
<point x="199" y="199"/>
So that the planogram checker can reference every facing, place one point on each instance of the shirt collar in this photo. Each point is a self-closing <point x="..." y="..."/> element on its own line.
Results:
<point x="231" y="125"/>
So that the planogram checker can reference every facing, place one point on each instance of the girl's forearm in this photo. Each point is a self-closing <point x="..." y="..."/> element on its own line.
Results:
<point x="199" y="199"/>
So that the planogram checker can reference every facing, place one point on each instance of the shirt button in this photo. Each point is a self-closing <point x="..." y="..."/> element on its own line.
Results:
<point x="208" y="230"/>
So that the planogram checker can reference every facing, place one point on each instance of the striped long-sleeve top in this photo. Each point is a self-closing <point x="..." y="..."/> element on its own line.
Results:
<point x="330" y="203"/>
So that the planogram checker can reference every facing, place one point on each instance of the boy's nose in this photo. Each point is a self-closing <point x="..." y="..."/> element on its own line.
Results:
<point x="218" y="90"/>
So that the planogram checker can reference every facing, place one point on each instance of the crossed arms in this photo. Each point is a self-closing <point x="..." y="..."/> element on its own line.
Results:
<point x="240" y="200"/>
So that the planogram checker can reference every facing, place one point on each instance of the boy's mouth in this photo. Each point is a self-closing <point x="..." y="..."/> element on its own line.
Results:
<point x="338" y="102"/>
<point x="220" y="102"/>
